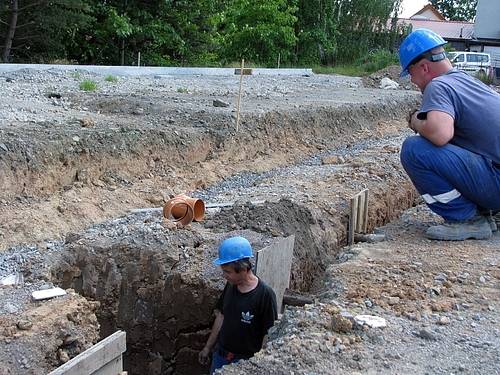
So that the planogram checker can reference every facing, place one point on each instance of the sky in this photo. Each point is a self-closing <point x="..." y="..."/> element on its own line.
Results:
<point x="410" y="7"/>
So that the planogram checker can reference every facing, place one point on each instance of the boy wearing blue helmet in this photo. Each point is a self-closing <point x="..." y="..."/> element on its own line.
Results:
<point x="454" y="162"/>
<point x="245" y="310"/>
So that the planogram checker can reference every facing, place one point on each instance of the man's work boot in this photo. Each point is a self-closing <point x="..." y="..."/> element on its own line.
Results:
<point x="493" y="218"/>
<point x="478" y="227"/>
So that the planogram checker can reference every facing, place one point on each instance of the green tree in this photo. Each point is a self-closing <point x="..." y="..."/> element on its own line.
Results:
<point x="456" y="10"/>
<point x="166" y="32"/>
<point x="316" y="31"/>
<point x="39" y="30"/>
<point x="260" y="31"/>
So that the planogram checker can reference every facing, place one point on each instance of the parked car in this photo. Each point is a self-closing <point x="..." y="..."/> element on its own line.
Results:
<point x="473" y="63"/>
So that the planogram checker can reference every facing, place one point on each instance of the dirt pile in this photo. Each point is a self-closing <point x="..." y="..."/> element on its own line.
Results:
<point x="37" y="337"/>
<point x="392" y="72"/>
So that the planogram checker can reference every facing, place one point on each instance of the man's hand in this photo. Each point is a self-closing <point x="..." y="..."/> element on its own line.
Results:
<point x="204" y="356"/>
<point x="409" y="118"/>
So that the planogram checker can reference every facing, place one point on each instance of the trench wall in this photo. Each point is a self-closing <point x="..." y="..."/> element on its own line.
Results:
<point x="84" y="156"/>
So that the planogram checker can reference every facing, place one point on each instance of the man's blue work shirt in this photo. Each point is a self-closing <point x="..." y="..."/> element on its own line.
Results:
<point x="475" y="108"/>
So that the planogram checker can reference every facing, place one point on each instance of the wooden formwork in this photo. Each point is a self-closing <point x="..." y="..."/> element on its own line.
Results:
<point x="273" y="266"/>
<point x="104" y="358"/>
<point x="358" y="218"/>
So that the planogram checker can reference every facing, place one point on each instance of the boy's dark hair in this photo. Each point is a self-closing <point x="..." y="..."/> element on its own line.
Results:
<point x="238" y="265"/>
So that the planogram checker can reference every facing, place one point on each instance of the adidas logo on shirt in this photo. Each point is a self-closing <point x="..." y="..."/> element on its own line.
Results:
<point x="246" y="317"/>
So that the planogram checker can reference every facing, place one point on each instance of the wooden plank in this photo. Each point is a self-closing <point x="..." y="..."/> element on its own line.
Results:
<point x="105" y="355"/>
<point x="365" y="219"/>
<point x="113" y="367"/>
<point x="361" y="215"/>
<point x="353" y="220"/>
<point x="39" y="295"/>
<point x="358" y="219"/>
<point x="274" y="264"/>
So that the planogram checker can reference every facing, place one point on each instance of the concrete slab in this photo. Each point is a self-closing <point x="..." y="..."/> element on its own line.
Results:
<point x="152" y="70"/>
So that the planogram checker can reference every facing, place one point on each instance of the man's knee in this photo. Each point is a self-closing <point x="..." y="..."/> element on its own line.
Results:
<point x="411" y="148"/>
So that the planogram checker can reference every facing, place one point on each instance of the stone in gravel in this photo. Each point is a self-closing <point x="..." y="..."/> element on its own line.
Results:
<point x="393" y="301"/>
<point x="426" y="335"/>
<point x="441" y="306"/>
<point x="63" y="356"/>
<point x="413" y="316"/>
<point x="24" y="325"/>
<point x="86" y="122"/>
<point x="341" y="323"/>
<point x="68" y="340"/>
<point x="10" y="308"/>
<point x="440" y="277"/>
<point x="4" y="147"/>
<point x="332" y="159"/>
<point x="370" y="321"/>
<point x="444" y="320"/>
<point x="54" y="95"/>
<point x="219" y="103"/>
<point x="156" y="199"/>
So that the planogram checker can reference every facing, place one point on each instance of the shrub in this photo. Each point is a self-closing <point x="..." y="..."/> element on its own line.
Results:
<point x="484" y="77"/>
<point x="378" y="59"/>
<point x="88" y="85"/>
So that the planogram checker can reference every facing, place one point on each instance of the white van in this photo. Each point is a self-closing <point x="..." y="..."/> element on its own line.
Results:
<point x="473" y="63"/>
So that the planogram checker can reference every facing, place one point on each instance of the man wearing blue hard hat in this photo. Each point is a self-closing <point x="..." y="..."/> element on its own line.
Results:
<point x="454" y="161"/>
<point x="245" y="310"/>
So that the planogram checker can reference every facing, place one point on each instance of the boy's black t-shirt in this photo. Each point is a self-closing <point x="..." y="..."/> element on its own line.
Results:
<point x="247" y="318"/>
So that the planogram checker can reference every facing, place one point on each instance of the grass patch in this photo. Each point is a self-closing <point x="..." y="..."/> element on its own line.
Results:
<point x="182" y="90"/>
<point x="111" y="78"/>
<point x="88" y="85"/>
<point x="76" y="74"/>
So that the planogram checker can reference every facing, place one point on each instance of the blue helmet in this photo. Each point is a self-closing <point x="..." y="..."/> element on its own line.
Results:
<point x="233" y="249"/>
<point x="416" y="44"/>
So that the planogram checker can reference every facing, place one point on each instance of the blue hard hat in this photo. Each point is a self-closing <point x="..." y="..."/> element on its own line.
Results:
<point x="415" y="44"/>
<point x="232" y="249"/>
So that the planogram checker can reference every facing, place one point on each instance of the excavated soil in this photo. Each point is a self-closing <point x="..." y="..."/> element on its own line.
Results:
<point x="74" y="164"/>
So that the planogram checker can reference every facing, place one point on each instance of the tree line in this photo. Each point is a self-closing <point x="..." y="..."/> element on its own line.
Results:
<point x="196" y="32"/>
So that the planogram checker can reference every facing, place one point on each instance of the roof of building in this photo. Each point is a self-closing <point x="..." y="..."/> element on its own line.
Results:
<point x="429" y="7"/>
<point x="447" y="29"/>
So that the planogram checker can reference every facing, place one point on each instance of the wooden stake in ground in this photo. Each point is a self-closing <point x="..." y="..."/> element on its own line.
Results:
<point x="239" y="95"/>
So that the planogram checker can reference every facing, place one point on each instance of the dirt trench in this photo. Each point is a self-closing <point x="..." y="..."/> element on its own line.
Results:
<point x="303" y="159"/>
<point x="156" y="282"/>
